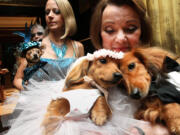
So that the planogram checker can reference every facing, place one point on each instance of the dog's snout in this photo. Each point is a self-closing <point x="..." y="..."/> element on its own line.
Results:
<point x="35" y="56"/>
<point x="135" y="94"/>
<point x="117" y="76"/>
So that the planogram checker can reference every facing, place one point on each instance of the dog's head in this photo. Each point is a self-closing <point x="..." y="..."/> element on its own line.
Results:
<point x="101" y="67"/>
<point x="32" y="51"/>
<point x="33" y="54"/>
<point x="139" y="67"/>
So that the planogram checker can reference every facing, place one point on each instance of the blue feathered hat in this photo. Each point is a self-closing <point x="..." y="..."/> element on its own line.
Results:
<point x="24" y="46"/>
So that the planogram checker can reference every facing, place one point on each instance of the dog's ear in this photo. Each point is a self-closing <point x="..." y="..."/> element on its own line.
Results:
<point x="76" y="73"/>
<point x="23" y="54"/>
<point x="150" y="58"/>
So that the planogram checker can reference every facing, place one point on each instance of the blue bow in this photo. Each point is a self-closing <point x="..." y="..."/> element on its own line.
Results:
<point x="29" y="71"/>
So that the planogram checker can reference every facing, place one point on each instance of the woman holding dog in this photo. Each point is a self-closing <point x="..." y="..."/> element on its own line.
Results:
<point x="59" y="49"/>
<point x="120" y="26"/>
<point x="119" y="124"/>
<point x="59" y="52"/>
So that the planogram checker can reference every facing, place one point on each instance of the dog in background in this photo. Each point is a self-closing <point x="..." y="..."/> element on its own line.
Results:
<point x="103" y="69"/>
<point x="32" y="53"/>
<point x="143" y="70"/>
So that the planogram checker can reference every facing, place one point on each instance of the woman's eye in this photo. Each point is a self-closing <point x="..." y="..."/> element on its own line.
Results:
<point x="131" y="66"/>
<point x="47" y="12"/>
<point x="56" y="11"/>
<point x="131" y="29"/>
<point x="109" y="30"/>
<point x="103" y="61"/>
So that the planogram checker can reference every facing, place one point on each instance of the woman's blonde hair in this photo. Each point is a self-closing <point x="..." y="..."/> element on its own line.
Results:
<point x="69" y="18"/>
<point x="137" y="5"/>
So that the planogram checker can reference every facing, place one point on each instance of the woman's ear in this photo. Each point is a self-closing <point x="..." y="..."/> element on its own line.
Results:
<point x="77" y="72"/>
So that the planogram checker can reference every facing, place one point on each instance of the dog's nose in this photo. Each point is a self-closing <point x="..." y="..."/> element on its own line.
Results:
<point x="135" y="94"/>
<point x="35" y="56"/>
<point x="117" y="76"/>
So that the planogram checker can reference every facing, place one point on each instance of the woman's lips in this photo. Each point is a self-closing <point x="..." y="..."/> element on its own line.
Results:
<point x="124" y="49"/>
<point x="51" y="23"/>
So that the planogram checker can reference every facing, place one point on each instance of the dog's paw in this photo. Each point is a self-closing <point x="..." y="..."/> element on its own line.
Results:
<point x="99" y="117"/>
<point x="49" y="125"/>
<point x="174" y="126"/>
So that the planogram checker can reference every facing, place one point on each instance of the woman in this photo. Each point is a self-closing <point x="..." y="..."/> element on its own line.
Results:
<point x="59" y="50"/>
<point x="120" y="26"/>
<point x="59" y="53"/>
<point x="37" y="32"/>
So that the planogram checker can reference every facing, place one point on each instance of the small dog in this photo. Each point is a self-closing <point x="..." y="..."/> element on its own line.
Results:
<point x="103" y="69"/>
<point x="140" y="69"/>
<point x="33" y="55"/>
<point x="32" y="51"/>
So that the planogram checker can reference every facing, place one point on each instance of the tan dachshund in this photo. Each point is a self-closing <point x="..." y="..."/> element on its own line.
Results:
<point x="139" y="68"/>
<point x="104" y="71"/>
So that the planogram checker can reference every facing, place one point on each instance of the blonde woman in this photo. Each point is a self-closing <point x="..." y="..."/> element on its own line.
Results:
<point x="59" y="49"/>
<point x="121" y="25"/>
<point x="47" y="79"/>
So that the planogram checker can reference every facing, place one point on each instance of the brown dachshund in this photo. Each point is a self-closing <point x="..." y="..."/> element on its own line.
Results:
<point x="140" y="67"/>
<point x="104" y="71"/>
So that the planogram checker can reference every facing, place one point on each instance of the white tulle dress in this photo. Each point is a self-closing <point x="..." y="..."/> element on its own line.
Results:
<point x="48" y="82"/>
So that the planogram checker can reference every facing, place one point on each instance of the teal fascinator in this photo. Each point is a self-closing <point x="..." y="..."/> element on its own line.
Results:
<point x="24" y="46"/>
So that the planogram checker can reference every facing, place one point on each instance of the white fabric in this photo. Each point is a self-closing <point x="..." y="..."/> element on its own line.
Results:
<point x="34" y="106"/>
<point x="174" y="78"/>
<point x="80" y="100"/>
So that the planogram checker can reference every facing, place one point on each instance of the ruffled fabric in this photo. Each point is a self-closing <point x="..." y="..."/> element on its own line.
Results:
<point x="33" y="104"/>
<point x="104" y="53"/>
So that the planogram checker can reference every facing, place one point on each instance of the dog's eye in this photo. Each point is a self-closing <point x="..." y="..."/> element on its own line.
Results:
<point x="103" y="61"/>
<point x="131" y="66"/>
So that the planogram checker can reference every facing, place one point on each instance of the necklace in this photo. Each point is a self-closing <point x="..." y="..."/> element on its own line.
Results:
<point x="60" y="51"/>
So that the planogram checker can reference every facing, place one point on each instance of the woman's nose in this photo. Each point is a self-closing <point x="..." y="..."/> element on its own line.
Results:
<point x="120" y="37"/>
<point x="50" y="13"/>
<point x="36" y="36"/>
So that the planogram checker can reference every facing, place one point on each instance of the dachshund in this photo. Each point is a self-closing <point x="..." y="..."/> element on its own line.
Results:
<point x="145" y="70"/>
<point x="101" y="67"/>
